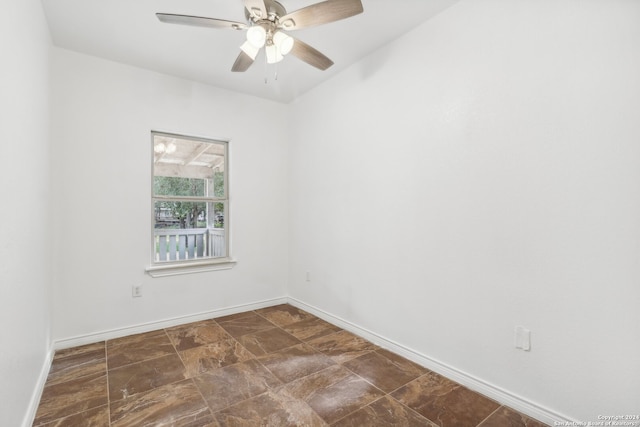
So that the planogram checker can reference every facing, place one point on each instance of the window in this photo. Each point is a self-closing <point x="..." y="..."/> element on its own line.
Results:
<point x="190" y="204"/>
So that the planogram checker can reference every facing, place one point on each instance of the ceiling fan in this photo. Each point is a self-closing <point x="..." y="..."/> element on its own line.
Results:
<point x="268" y="24"/>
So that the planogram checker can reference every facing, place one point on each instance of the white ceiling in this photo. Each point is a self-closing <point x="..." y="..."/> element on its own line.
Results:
<point x="128" y="31"/>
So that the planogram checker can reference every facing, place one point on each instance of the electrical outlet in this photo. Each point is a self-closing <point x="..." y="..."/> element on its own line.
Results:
<point x="136" y="291"/>
<point x="523" y="338"/>
<point x="308" y="276"/>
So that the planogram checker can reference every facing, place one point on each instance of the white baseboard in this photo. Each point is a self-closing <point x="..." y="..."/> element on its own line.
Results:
<point x="498" y="394"/>
<point x="167" y="323"/>
<point x="130" y="330"/>
<point x="30" y="416"/>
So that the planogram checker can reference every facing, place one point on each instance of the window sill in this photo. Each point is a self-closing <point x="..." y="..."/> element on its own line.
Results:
<point x="174" y="269"/>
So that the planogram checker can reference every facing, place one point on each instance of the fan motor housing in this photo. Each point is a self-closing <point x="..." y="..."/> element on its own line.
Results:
<point x="274" y="9"/>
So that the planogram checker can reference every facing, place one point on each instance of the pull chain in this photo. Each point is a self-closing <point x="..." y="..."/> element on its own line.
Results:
<point x="266" y="66"/>
<point x="275" y="72"/>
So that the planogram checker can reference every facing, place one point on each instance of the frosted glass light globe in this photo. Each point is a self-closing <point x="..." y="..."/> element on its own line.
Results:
<point x="273" y="54"/>
<point x="283" y="41"/>
<point x="257" y="36"/>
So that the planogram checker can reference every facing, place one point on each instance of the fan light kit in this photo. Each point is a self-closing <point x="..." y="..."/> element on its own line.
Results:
<point x="276" y="44"/>
<point x="267" y="25"/>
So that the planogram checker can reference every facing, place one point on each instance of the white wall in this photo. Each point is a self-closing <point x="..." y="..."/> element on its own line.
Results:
<point x="479" y="173"/>
<point x="24" y="224"/>
<point x="102" y="117"/>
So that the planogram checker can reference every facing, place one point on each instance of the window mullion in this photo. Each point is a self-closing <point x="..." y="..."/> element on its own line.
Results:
<point x="188" y="199"/>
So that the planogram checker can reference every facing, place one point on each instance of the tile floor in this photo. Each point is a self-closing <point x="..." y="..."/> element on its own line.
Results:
<point x="277" y="366"/>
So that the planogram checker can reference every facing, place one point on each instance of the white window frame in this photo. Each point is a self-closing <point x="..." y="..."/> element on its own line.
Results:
<point x="171" y="268"/>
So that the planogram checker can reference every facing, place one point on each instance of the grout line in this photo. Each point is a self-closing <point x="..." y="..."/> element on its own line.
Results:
<point x="175" y="349"/>
<point x="362" y="407"/>
<point x="409" y="382"/>
<point x="136" y="362"/>
<point x="278" y="327"/>
<point x="126" y="331"/>
<point x="489" y="416"/>
<point x="192" y="379"/>
<point x="336" y="364"/>
<point x="385" y="394"/>
<point x="213" y="417"/>
<point x="413" y="410"/>
<point x="284" y="384"/>
<point x="79" y="377"/>
<point x="497" y="394"/>
<point x="67" y="415"/>
<point x="255" y="358"/>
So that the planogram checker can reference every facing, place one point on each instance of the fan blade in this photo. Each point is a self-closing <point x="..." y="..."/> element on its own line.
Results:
<point x="256" y="8"/>
<point x="199" y="21"/>
<point x="321" y="13"/>
<point x="242" y="64"/>
<point x="310" y="55"/>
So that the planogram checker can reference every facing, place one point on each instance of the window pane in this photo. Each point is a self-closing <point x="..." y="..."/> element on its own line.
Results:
<point x="176" y="186"/>
<point x="188" y="167"/>
<point x="189" y="230"/>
